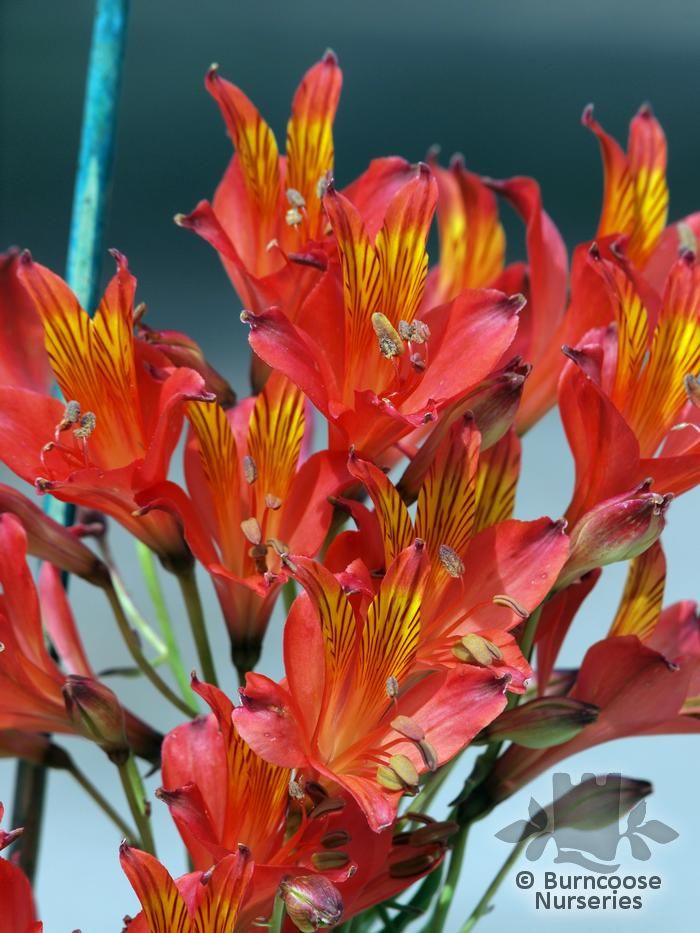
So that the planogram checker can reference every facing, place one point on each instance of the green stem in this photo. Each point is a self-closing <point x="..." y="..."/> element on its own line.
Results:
<point x="134" y="647"/>
<point x="102" y="803"/>
<point x="190" y="593"/>
<point x="136" y="797"/>
<point x="155" y="591"/>
<point x="432" y="787"/>
<point x="277" y="918"/>
<point x="483" y="907"/>
<point x="444" y="901"/>
<point x="289" y="594"/>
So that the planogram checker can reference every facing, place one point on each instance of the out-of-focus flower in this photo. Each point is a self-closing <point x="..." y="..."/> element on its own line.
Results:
<point x="31" y="682"/>
<point x="644" y="677"/>
<point x="358" y="349"/>
<point x="123" y="415"/>
<point x="250" y="499"/>
<point x="627" y="389"/>
<point x="23" y="360"/>
<point x="18" y="914"/>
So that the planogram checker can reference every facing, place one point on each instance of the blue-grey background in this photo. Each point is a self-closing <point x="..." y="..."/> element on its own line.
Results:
<point x="505" y="83"/>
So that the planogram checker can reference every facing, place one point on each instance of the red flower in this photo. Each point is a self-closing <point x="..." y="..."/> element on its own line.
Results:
<point x="361" y="355"/>
<point x="23" y="359"/>
<point x="124" y="412"/>
<point x="18" y="914"/>
<point x="250" y="498"/>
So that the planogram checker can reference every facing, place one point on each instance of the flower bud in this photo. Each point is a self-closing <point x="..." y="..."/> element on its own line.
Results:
<point x="596" y="802"/>
<point x="494" y="404"/>
<point x="181" y="350"/>
<point x="543" y="722"/>
<point x="618" y="529"/>
<point x="96" y="713"/>
<point x="49" y="541"/>
<point x="311" y="902"/>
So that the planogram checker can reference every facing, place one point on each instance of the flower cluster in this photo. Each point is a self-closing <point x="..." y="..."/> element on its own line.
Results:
<point x="414" y="598"/>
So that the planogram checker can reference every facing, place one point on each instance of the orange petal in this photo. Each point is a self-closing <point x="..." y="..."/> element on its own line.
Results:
<point x="496" y="481"/>
<point x="224" y="892"/>
<point x="218" y="457"/>
<point x="619" y="195"/>
<point x="400" y="246"/>
<point x="255" y="145"/>
<point x="395" y="525"/>
<point x="275" y="434"/>
<point x="646" y="154"/>
<point x="163" y="906"/>
<point x="390" y="635"/>
<point x="310" y="135"/>
<point x="447" y="499"/>
<point x="361" y="284"/>
<point x="640" y="606"/>
<point x="472" y="241"/>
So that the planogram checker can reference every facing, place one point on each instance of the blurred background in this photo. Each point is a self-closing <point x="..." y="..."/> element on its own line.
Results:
<point x="503" y="82"/>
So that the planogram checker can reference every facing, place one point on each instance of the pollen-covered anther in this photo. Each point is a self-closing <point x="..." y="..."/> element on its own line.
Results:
<point x="390" y="343"/>
<point x="509" y="603"/>
<point x="86" y="426"/>
<point x="474" y="649"/>
<point x="293" y="217"/>
<point x="250" y="470"/>
<point x="415" y="332"/>
<point x="296" y="791"/>
<point x="450" y="560"/>
<point x="322" y="185"/>
<point x="295" y="198"/>
<point x="392" y="687"/>
<point x="326" y="861"/>
<point x="71" y="416"/>
<point x="272" y="502"/>
<point x="692" y="388"/>
<point x="251" y="529"/>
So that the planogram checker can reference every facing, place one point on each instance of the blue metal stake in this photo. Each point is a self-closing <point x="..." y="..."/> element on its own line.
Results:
<point x="85" y="248"/>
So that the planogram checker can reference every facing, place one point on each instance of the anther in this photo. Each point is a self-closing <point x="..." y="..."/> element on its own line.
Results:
<point x="416" y="331"/>
<point x="86" y="426"/>
<point x="392" y="687"/>
<point x="272" y="502"/>
<point x="408" y="728"/>
<point x="71" y="416"/>
<point x="335" y="839"/>
<point x="399" y="775"/>
<point x="322" y="185"/>
<point x="692" y="388"/>
<point x="296" y="791"/>
<point x="450" y="560"/>
<point x="390" y="344"/>
<point x="326" y="861"/>
<point x="251" y="529"/>
<point x="295" y="198"/>
<point x="250" y="470"/>
<point x="293" y="217"/>
<point x="474" y="649"/>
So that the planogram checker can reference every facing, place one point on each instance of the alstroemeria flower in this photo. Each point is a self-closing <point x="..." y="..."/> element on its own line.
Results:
<point x="250" y="497"/>
<point x="472" y="254"/>
<point x="222" y="795"/>
<point x="635" y="204"/>
<point x="644" y="677"/>
<point x="358" y="350"/>
<point x="23" y="360"/>
<point x="266" y="214"/>
<point x="31" y="682"/>
<point x="487" y="573"/>
<point x="355" y="710"/>
<point x="628" y="388"/>
<point x="123" y="415"/>
<point x="18" y="914"/>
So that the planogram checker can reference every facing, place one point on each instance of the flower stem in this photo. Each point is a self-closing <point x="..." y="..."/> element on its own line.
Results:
<point x="528" y="638"/>
<point x="102" y="803"/>
<point x="483" y="907"/>
<point x="155" y="591"/>
<point x="146" y="669"/>
<point x="136" y="796"/>
<point x="447" y="892"/>
<point x="190" y="594"/>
